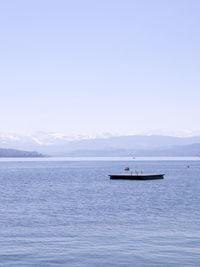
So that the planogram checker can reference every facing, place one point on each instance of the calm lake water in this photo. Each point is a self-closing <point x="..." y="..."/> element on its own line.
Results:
<point x="68" y="213"/>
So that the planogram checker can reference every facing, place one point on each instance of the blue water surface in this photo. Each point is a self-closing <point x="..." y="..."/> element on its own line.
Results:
<point x="69" y="213"/>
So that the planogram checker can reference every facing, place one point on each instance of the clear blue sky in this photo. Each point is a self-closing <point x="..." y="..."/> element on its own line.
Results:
<point x="99" y="66"/>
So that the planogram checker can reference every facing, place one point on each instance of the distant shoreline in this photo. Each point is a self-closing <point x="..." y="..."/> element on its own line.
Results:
<point x="129" y="159"/>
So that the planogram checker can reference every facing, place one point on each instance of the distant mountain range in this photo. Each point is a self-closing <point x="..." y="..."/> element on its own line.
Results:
<point x="133" y="145"/>
<point x="176" y="151"/>
<point x="14" y="153"/>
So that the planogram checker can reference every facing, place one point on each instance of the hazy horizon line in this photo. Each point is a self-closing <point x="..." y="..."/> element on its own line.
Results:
<point x="60" y="135"/>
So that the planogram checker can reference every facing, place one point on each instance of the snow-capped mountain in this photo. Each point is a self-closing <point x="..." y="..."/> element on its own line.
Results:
<point x="58" y="144"/>
<point x="38" y="139"/>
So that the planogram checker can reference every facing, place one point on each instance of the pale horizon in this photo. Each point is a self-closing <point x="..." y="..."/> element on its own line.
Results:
<point x="93" y="135"/>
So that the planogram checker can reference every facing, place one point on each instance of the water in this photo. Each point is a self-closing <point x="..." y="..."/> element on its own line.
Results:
<point x="68" y="213"/>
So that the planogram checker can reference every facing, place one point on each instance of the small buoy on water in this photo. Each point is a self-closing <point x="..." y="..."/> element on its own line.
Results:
<point x="126" y="168"/>
<point x="188" y="166"/>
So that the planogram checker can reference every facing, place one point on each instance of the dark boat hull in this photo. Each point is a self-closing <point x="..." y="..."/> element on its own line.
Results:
<point x="136" y="176"/>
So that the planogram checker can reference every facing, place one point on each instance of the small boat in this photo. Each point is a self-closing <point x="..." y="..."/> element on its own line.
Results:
<point x="139" y="176"/>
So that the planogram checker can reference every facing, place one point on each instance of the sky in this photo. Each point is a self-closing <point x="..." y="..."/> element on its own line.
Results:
<point x="85" y="67"/>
